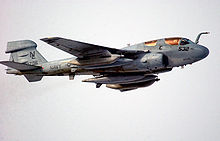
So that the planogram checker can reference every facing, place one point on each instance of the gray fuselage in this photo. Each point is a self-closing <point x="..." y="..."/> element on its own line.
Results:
<point x="158" y="58"/>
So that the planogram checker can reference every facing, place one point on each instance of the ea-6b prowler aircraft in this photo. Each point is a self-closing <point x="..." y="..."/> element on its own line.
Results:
<point x="124" y="69"/>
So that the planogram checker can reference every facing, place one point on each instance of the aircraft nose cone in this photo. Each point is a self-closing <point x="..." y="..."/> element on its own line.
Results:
<point x="204" y="52"/>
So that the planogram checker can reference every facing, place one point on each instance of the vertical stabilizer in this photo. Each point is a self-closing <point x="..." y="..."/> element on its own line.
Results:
<point x="24" y="57"/>
<point x="24" y="51"/>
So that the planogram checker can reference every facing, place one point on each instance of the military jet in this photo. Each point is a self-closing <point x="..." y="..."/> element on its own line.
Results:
<point x="129" y="68"/>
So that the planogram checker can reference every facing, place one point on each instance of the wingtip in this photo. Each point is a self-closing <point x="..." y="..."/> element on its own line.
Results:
<point x="50" y="39"/>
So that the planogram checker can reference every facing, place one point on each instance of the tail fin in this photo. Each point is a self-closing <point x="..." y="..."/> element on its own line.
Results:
<point x="25" y="52"/>
<point x="24" y="57"/>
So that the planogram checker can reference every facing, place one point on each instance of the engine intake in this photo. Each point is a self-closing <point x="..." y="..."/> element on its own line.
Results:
<point x="154" y="61"/>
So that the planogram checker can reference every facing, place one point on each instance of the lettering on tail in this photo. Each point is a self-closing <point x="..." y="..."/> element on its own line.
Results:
<point x="32" y="55"/>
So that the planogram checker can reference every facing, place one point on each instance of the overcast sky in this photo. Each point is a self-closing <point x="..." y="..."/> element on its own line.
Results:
<point x="182" y="106"/>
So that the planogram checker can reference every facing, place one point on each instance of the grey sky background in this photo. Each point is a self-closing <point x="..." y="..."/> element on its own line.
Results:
<point x="183" y="105"/>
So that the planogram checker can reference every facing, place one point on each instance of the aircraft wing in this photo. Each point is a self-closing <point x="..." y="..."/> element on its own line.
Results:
<point x="86" y="50"/>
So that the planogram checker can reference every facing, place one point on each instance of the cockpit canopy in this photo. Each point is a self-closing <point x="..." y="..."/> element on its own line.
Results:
<point x="177" y="41"/>
<point x="151" y="43"/>
<point x="185" y="41"/>
<point x="171" y="41"/>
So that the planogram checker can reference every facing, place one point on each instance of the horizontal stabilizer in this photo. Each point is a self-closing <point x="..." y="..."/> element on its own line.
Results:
<point x="19" y="66"/>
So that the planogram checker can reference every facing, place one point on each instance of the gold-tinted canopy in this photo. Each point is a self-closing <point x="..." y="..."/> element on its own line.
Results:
<point x="172" y="41"/>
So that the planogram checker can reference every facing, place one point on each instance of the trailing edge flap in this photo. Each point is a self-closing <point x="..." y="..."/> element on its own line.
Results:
<point x="19" y="66"/>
